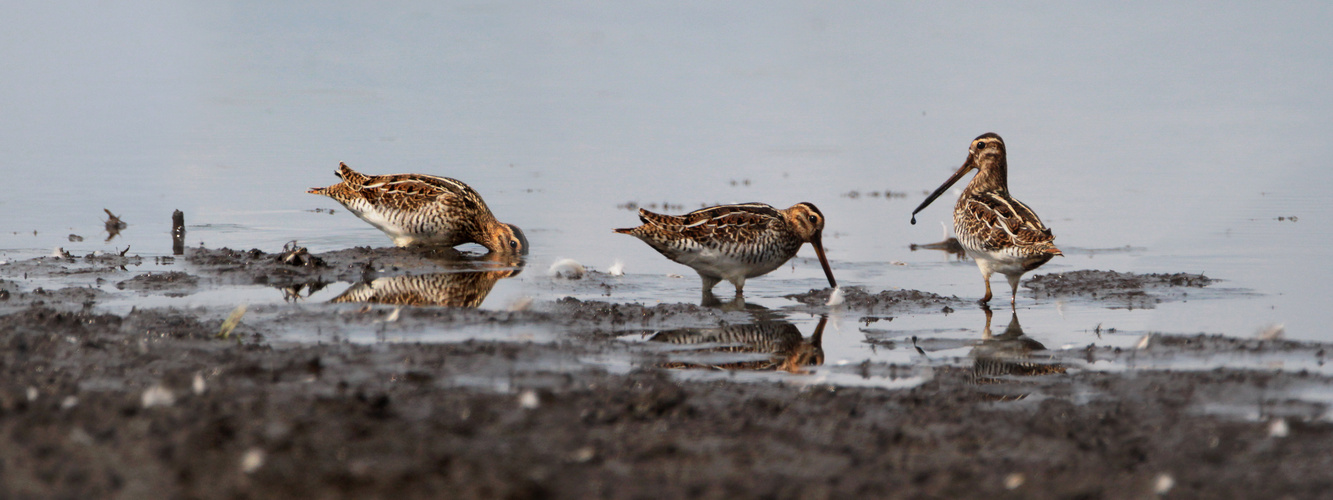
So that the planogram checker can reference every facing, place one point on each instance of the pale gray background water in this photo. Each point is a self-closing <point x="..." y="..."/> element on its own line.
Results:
<point x="1151" y="138"/>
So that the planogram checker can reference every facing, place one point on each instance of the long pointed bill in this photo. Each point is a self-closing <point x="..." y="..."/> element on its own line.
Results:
<point x="818" y="243"/>
<point x="967" y="165"/>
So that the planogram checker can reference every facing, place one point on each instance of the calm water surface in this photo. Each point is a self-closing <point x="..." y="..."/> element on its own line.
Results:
<point x="1184" y="138"/>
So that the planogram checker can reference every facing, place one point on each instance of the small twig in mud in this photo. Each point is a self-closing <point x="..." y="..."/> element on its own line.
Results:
<point x="126" y="250"/>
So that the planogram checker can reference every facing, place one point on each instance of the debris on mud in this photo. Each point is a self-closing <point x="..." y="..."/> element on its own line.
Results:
<point x="295" y="255"/>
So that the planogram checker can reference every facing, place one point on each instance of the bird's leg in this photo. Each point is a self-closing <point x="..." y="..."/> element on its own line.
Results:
<point x="740" y="286"/>
<point x="1013" y="288"/>
<point x="986" y="299"/>
<point x="709" y="283"/>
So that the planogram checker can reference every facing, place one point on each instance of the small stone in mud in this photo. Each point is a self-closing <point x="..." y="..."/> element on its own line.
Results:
<point x="252" y="460"/>
<point x="528" y="400"/>
<point x="75" y="238"/>
<point x="158" y="395"/>
<point x="1013" y="481"/>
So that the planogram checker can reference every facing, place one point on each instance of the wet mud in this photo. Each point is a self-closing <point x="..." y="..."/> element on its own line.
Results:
<point x="858" y="299"/>
<point x="154" y="403"/>
<point x="1117" y="289"/>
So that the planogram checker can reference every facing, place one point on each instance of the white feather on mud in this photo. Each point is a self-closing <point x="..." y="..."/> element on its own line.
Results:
<point x="1272" y="332"/>
<point x="568" y="269"/>
<point x="835" y="298"/>
<point x="617" y="268"/>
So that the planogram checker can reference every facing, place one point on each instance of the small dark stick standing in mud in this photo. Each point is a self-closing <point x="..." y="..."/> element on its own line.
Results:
<point x="178" y="233"/>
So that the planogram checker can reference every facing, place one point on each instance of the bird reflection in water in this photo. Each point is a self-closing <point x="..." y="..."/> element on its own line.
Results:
<point x="950" y="246"/>
<point x="1000" y="358"/>
<point x="788" y="350"/>
<point x="467" y="285"/>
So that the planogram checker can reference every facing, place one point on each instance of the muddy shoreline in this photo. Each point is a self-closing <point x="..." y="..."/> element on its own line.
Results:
<point x="152" y="403"/>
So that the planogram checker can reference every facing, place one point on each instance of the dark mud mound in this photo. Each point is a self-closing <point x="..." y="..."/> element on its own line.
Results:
<point x="595" y="317"/>
<point x="856" y="298"/>
<point x="69" y="265"/>
<point x="283" y="269"/>
<point x="89" y="329"/>
<point x="294" y="267"/>
<point x="1118" y="290"/>
<point x="67" y="298"/>
<point x="173" y="283"/>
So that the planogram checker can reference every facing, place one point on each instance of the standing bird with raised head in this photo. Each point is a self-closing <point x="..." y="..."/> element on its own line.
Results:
<point x="1001" y="233"/>
<point x="734" y="242"/>
<point x="419" y="209"/>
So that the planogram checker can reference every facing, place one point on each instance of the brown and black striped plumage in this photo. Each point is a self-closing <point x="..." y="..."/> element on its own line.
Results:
<point x="734" y="242"/>
<point x="419" y="209"/>
<point x="789" y="349"/>
<point x="457" y="289"/>
<point x="1001" y="233"/>
<point x="1010" y="354"/>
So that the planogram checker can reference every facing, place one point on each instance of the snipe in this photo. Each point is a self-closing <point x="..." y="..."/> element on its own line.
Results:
<point x="1001" y="233"/>
<point x="419" y="209"/>
<point x="734" y="242"/>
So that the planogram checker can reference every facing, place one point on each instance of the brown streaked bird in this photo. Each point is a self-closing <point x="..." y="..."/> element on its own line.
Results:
<point x="419" y="209"/>
<point x="1001" y="233"/>
<point x="734" y="242"/>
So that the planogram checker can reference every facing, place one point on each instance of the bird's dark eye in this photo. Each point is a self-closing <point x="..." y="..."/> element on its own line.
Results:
<point x="513" y="244"/>
<point x="981" y="146"/>
<point x="814" y="219"/>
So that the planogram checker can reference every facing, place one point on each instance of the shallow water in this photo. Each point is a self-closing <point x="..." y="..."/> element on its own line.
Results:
<point x="1151" y="139"/>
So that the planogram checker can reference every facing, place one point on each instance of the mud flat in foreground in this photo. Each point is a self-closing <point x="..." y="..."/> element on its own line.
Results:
<point x="151" y="403"/>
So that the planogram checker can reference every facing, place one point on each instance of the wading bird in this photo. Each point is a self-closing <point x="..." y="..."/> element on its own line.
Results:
<point x="734" y="242"/>
<point x="1001" y="233"/>
<point x="419" y="209"/>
